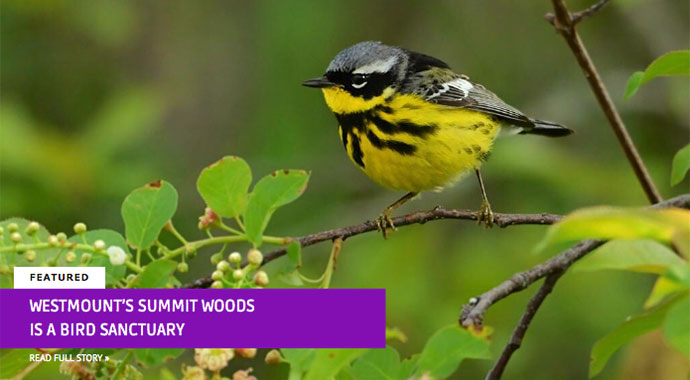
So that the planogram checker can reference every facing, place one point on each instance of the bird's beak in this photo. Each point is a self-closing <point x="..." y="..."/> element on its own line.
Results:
<point x="321" y="82"/>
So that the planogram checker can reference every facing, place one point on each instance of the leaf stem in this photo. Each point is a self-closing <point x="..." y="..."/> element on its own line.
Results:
<point x="171" y="228"/>
<point x="328" y="274"/>
<point x="202" y="243"/>
<point x="227" y="228"/>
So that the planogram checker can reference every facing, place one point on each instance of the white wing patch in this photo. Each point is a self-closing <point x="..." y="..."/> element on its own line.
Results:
<point x="457" y="89"/>
<point x="380" y="66"/>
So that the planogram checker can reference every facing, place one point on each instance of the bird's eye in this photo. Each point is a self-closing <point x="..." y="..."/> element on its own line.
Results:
<point x="359" y="80"/>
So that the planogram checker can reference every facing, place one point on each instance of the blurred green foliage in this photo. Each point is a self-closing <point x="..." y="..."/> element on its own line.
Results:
<point x="99" y="97"/>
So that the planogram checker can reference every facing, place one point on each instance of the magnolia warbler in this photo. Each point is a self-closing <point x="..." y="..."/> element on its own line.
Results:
<point x="412" y="124"/>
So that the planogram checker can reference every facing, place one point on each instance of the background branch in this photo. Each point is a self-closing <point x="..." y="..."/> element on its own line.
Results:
<point x="521" y="328"/>
<point x="564" y="22"/>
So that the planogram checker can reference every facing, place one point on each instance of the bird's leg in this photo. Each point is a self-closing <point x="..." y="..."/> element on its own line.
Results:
<point x="484" y="216"/>
<point x="384" y="221"/>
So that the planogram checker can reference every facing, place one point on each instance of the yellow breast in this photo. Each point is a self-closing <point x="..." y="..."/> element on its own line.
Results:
<point x="405" y="143"/>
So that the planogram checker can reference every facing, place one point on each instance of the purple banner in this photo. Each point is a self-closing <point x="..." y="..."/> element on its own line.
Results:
<point x="192" y="318"/>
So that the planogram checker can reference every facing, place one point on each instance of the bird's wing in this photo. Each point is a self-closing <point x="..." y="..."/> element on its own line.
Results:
<point x="461" y="92"/>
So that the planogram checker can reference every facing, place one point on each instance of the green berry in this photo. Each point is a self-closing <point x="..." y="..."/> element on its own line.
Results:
<point x="182" y="267"/>
<point x="99" y="245"/>
<point x="79" y="228"/>
<point x="70" y="256"/>
<point x="216" y="258"/>
<point x="16" y="237"/>
<point x="85" y="258"/>
<point x="217" y="285"/>
<point x="32" y="228"/>
<point x="223" y="266"/>
<point x="255" y="257"/>
<point x="237" y="274"/>
<point x="62" y="237"/>
<point x="261" y="278"/>
<point x="217" y="275"/>
<point x="235" y="257"/>
<point x="4" y="269"/>
<point x="53" y="240"/>
<point x="13" y="227"/>
<point x="30" y="256"/>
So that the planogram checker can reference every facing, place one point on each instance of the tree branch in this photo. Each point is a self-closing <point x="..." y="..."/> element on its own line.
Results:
<point x="417" y="217"/>
<point x="473" y="312"/>
<point x="564" y="22"/>
<point x="521" y="328"/>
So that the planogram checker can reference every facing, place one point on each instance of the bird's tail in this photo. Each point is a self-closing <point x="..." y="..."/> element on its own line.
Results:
<point x="547" y="128"/>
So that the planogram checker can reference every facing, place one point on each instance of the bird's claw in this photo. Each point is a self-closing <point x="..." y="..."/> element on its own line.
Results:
<point x="485" y="216"/>
<point x="384" y="223"/>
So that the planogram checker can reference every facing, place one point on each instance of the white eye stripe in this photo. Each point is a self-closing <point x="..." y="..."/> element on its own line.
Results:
<point x="359" y="85"/>
<point x="380" y="66"/>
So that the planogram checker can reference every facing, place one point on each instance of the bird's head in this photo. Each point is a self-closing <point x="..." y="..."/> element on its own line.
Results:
<point x="361" y="76"/>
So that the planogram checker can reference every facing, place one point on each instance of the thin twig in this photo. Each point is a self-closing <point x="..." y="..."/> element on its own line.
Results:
<point x="521" y="328"/>
<point x="473" y="312"/>
<point x="417" y="217"/>
<point x="578" y="16"/>
<point x="564" y="22"/>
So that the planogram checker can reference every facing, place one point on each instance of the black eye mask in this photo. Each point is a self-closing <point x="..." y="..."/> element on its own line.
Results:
<point x="366" y="86"/>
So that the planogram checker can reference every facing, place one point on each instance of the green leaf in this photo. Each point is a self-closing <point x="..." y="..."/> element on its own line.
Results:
<point x="155" y="275"/>
<point x="677" y="326"/>
<point x="294" y="254"/>
<point x="288" y="272"/>
<point x="328" y="362"/>
<point x="664" y="287"/>
<point x="111" y="238"/>
<point x="633" y="327"/>
<point x="609" y="223"/>
<point x="272" y="191"/>
<point x="377" y="364"/>
<point x="14" y="361"/>
<point x="224" y="186"/>
<point x="671" y="63"/>
<point x="290" y="278"/>
<point x="146" y="210"/>
<point x="646" y="256"/>
<point x="445" y="350"/>
<point x="299" y="359"/>
<point x="151" y="357"/>
<point x="634" y="83"/>
<point x="680" y="165"/>
<point x="408" y="366"/>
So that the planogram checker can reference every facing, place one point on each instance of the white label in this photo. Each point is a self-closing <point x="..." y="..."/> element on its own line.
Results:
<point x="59" y="277"/>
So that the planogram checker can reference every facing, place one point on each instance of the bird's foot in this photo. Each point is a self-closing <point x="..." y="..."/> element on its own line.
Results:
<point x="384" y="223"/>
<point x="485" y="216"/>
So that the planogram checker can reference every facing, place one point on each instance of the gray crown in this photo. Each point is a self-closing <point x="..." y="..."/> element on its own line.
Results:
<point x="364" y="53"/>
